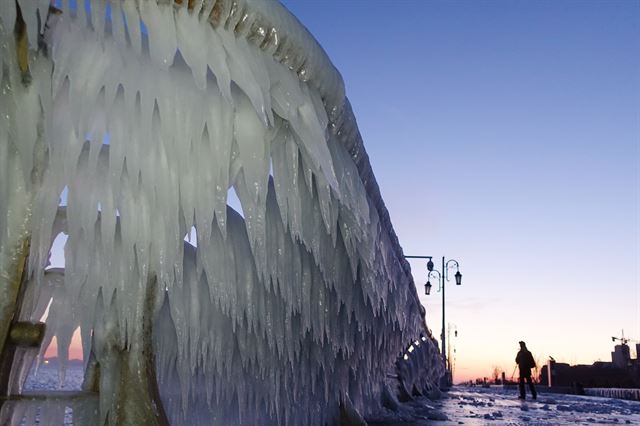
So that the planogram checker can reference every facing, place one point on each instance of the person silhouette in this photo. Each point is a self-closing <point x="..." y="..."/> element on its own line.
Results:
<point x="525" y="362"/>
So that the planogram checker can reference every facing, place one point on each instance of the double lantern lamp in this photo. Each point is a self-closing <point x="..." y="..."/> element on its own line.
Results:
<point x="427" y="286"/>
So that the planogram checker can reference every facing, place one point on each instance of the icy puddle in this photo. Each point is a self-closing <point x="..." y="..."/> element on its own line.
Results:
<point x="495" y="406"/>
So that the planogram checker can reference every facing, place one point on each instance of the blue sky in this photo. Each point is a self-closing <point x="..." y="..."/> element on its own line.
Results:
<point x="505" y="134"/>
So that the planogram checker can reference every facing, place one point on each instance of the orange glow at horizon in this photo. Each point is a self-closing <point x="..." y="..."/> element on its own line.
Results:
<point x="75" y="348"/>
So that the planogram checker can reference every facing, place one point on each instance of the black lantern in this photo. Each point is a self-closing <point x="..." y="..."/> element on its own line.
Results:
<point x="427" y="288"/>
<point x="429" y="265"/>
<point x="458" y="278"/>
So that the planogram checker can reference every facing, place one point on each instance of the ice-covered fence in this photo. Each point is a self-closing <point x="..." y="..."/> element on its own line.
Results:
<point x="620" y="393"/>
<point x="144" y="114"/>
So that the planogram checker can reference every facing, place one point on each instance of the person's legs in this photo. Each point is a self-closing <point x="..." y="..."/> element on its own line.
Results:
<point x="521" y="386"/>
<point x="534" y="394"/>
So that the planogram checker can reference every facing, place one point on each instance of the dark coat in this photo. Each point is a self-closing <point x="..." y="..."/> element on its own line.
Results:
<point x="525" y="362"/>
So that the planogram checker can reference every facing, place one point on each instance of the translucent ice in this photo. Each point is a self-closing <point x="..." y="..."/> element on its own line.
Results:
<point x="149" y="113"/>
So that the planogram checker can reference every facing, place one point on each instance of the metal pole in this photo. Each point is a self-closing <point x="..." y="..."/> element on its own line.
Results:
<point x="444" y="346"/>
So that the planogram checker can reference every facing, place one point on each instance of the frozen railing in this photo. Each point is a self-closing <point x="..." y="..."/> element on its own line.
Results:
<point x="619" y="393"/>
<point x="123" y="125"/>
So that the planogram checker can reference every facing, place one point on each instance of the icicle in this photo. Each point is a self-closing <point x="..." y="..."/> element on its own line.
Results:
<point x="118" y="23"/>
<point x="158" y="19"/>
<point x="191" y="36"/>
<point x="29" y="9"/>
<point x="262" y="315"/>
<point x="133" y="25"/>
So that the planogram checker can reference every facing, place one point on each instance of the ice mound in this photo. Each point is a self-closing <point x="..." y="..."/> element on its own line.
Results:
<point x="144" y="114"/>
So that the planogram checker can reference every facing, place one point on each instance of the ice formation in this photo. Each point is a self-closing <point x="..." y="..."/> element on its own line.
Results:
<point x="144" y="114"/>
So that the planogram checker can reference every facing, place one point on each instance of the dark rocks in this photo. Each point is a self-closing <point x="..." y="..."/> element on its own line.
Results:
<point x="437" y="415"/>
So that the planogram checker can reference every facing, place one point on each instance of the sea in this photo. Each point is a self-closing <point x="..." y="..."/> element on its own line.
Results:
<point x="48" y="378"/>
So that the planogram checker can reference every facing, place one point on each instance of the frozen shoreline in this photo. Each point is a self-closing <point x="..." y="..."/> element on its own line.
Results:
<point x="461" y="406"/>
<point x="482" y="406"/>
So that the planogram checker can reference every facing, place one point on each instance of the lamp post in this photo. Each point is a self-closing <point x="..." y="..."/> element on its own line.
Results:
<point x="442" y="278"/>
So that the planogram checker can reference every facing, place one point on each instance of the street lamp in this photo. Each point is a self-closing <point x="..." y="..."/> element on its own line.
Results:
<point x="451" y="263"/>
<point x="427" y="288"/>
<point x="442" y="278"/>
<point x="436" y="275"/>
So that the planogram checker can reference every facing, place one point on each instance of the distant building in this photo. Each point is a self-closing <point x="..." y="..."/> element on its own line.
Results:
<point x="621" y="356"/>
<point x="597" y="375"/>
<point x="622" y="372"/>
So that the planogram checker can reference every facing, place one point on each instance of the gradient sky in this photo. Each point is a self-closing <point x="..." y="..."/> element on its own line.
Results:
<point x="506" y="135"/>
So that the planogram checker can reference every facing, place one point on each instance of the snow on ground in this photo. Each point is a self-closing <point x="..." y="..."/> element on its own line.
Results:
<point x="496" y="406"/>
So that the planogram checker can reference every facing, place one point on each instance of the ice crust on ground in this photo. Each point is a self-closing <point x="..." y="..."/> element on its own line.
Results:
<point x="477" y="406"/>
<point x="149" y="115"/>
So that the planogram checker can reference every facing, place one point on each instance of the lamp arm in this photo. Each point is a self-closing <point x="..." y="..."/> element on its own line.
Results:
<point x="435" y="271"/>
<point x="446" y="267"/>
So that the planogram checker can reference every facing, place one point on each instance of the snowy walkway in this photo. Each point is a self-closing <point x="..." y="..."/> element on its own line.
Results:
<point x="495" y="406"/>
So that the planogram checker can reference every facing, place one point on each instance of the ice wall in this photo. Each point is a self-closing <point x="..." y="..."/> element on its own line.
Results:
<point x="147" y="113"/>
